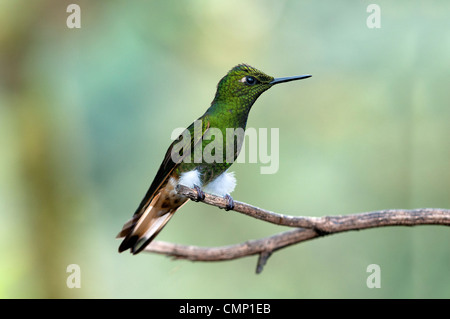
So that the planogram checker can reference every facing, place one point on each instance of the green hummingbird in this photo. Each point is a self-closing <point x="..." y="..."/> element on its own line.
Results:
<point x="236" y="93"/>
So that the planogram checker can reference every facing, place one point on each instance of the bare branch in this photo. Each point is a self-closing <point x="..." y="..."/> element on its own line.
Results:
<point x="328" y="224"/>
<point x="306" y="228"/>
<point x="248" y="248"/>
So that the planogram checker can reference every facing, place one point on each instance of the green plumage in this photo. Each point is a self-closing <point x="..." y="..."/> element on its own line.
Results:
<point x="229" y="109"/>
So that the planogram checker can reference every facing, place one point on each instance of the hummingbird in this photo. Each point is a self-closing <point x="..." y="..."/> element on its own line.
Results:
<point x="236" y="93"/>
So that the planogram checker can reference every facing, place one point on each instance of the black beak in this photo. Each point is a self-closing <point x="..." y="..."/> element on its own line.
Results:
<point x="290" y="78"/>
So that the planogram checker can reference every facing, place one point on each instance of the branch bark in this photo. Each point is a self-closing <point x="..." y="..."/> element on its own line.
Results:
<point x="306" y="228"/>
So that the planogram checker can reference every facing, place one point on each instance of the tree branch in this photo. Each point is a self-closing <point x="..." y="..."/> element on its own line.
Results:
<point x="306" y="228"/>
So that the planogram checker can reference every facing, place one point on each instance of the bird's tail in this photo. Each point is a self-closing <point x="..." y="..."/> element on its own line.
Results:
<point x="142" y="228"/>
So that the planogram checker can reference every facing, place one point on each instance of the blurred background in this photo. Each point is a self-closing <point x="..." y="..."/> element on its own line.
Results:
<point x="86" y="117"/>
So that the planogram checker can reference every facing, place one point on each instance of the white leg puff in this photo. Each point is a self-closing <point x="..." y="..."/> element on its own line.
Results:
<point x="223" y="184"/>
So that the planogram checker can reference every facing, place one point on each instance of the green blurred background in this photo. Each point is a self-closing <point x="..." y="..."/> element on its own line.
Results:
<point x="86" y="116"/>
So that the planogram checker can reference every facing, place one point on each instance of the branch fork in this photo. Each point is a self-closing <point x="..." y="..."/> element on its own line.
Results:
<point x="305" y="228"/>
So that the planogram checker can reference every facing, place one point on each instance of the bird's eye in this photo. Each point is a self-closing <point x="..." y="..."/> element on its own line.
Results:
<point x="250" y="80"/>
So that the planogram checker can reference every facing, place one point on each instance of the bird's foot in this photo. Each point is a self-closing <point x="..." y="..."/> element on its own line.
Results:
<point x="230" y="202"/>
<point x="200" y="194"/>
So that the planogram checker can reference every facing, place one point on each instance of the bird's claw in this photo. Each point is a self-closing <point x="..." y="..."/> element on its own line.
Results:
<point x="200" y="194"/>
<point x="230" y="202"/>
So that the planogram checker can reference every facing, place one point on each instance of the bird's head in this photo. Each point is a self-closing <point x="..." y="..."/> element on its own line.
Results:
<point x="245" y="84"/>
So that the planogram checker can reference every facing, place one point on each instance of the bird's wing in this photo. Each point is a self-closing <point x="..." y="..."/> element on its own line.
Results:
<point x="168" y="165"/>
<point x="150" y="217"/>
